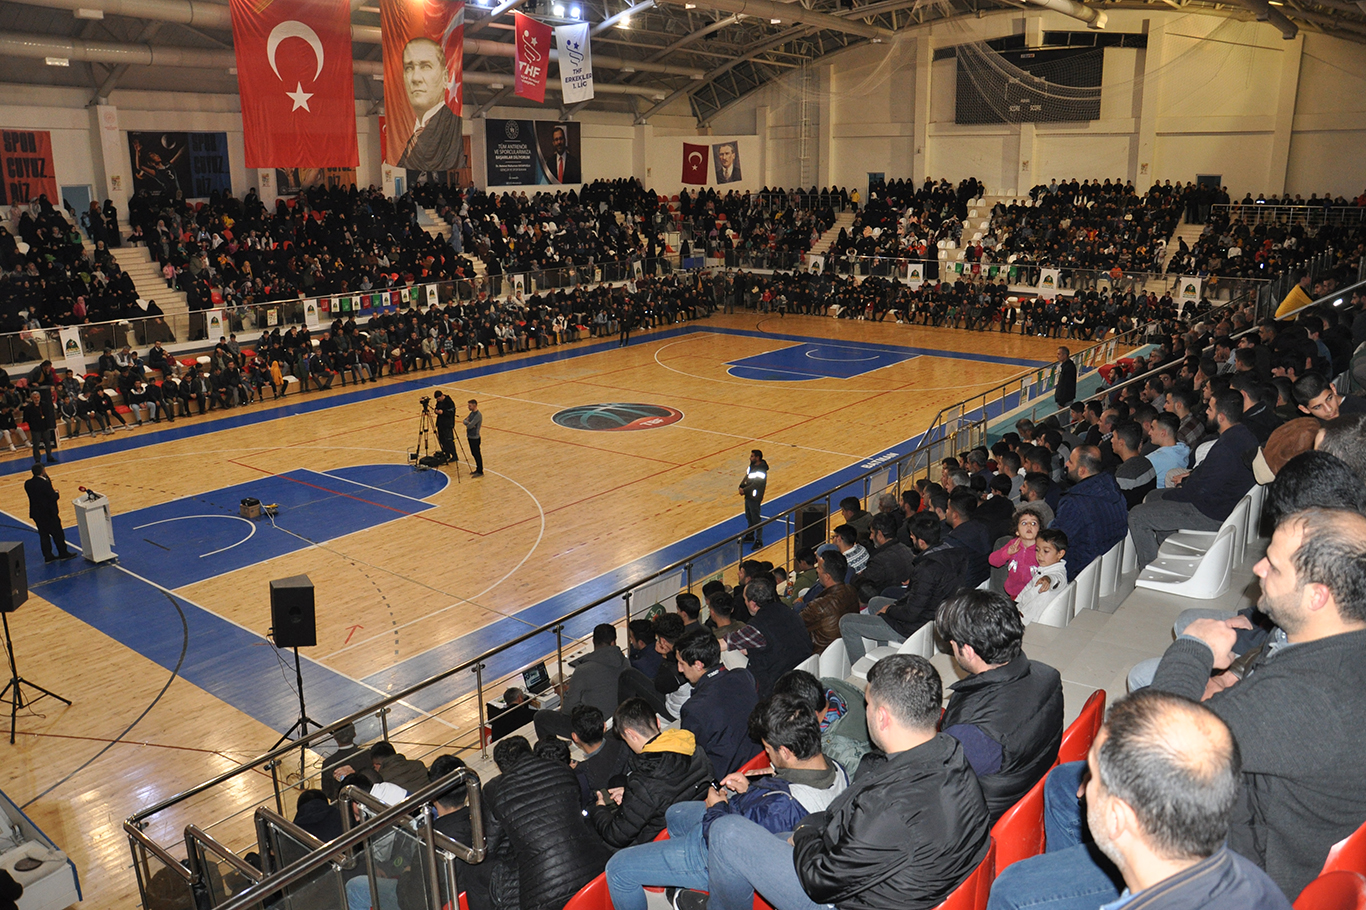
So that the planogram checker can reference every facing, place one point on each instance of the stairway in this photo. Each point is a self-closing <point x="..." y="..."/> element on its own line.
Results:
<point x="433" y="223"/>
<point x="843" y="221"/>
<point x="146" y="275"/>
<point x="1184" y="231"/>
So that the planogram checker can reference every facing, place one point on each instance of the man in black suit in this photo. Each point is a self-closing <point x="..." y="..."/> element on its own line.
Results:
<point x="727" y="163"/>
<point x="42" y="508"/>
<point x="41" y="418"/>
<point x="563" y="167"/>
<point x="435" y="143"/>
<point x="1066" y="389"/>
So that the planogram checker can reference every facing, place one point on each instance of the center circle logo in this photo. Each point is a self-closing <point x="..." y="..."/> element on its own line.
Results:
<point x="511" y="129"/>
<point x="617" y="416"/>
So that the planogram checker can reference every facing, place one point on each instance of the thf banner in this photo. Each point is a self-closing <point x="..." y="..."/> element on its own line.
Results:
<point x="695" y="163"/>
<point x="424" y="59"/>
<point x="576" y="63"/>
<point x="294" y="76"/>
<point x="533" y="57"/>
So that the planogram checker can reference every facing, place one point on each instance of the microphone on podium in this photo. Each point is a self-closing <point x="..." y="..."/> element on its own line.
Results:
<point x="89" y="494"/>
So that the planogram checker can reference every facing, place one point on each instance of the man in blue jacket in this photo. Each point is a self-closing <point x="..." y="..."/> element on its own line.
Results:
<point x="1207" y="495"/>
<point x="717" y="712"/>
<point x="804" y="781"/>
<point x="1093" y="514"/>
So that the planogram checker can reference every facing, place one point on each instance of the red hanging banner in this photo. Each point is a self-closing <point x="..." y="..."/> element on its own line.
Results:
<point x="533" y="58"/>
<point x="424" y="53"/>
<point x="695" y="163"/>
<point x="295" y="79"/>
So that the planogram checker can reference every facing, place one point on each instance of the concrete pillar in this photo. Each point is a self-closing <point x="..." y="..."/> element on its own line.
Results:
<point x="267" y="188"/>
<point x="761" y="115"/>
<point x="640" y="158"/>
<point x="924" y="65"/>
<point x="1028" y="167"/>
<point x="109" y="155"/>
<point x="1143" y="166"/>
<point x="1285" y="113"/>
<point x="824" y="127"/>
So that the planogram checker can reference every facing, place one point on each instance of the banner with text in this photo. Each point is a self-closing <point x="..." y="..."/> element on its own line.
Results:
<point x="915" y="274"/>
<point x="1188" y="289"/>
<point x="191" y="165"/>
<point x="576" y="63"/>
<point x="26" y="164"/>
<point x="1048" y="282"/>
<point x="72" y="351"/>
<point x="529" y="152"/>
<point x="532" y="58"/>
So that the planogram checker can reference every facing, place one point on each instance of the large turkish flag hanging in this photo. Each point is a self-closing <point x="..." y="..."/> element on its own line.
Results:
<point x="295" y="79"/>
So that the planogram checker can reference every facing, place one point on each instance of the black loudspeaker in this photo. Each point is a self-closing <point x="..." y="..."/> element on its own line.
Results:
<point x="811" y="527"/>
<point x="13" y="577"/>
<point x="291" y="612"/>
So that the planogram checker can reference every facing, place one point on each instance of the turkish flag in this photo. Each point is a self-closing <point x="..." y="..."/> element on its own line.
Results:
<point x="533" y="58"/>
<point x="695" y="163"/>
<point x="294" y="76"/>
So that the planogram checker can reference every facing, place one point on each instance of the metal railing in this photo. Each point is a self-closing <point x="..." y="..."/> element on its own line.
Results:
<point x="1308" y="215"/>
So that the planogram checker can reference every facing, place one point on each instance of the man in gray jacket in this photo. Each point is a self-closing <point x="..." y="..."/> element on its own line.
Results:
<point x="594" y="683"/>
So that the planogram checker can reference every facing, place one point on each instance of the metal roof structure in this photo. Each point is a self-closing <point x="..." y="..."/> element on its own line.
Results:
<point x="647" y="56"/>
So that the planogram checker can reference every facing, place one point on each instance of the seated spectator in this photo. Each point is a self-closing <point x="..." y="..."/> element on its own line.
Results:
<point x="1317" y="397"/>
<point x="1036" y="490"/>
<point x="1171" y="454"/>
<point x="1017" y="557"/>
<point x="837" y="600"/>
<point x="1047" y="577"/>
<point x="640" y="635"/>
<point x="1185" y="404"/>
<point x="1007" y="713"/>
<point x="723" y="619"/>
<point x="845" y="539"/>
<point x="318" y="816"/>
<point x="604" y="757"/>
<point x="669" y="767"/>
<point x="907" y="832"/>
<point x="939" y="571"/>
<point x="453" y="820"/>
<point x="348" y="759"/>
<point x="1202" y="499"/>
<point x="594" y="683"/>
<point x="803" y="781"/>
<point x="1092" y="514"/>
<point x="997" y="510"/>
<point x="856" y="516"/>
<point x="690" y="608"/>
<point x="667" y="690"/>
<point x="970" y="534"/>
<point x="1301" y="790"/>
<point x="718" y="709"/>
<point x="1259" y="415"/>
<point x="533" y="809"/>
<point x="775" y="640"/>
<point x="890" y="563"/>
<point x="1162" y="789"/>
<point x="804" y="562"/>
<point x="395" y="768"/>
<point x="1135" y="474"/>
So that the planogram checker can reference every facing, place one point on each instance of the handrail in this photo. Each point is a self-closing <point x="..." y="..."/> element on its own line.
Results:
<point x="1336" y="296"/>
<point x="196" y="835"/>
<point x="1269" y="211"/>
<point x="472" y="853"/>
<point x="399" y="812"/>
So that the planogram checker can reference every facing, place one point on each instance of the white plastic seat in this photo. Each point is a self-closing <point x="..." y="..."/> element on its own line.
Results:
<point x="1060" y="609"/>
<point x="811" y="665"/>
<point x="1110" y="566"/>
<point x="1254" y="516"/>
<point x="834" y="661"/>
<point x="1130" y="562"/>
<point x="1184" y="545"/>
<point x="921" y="642"/>
<point x="1087" y="585"/>
<point x="1207" y="578"/>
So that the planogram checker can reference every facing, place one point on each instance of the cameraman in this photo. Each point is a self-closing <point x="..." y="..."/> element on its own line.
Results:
<point x="445" y="424"/>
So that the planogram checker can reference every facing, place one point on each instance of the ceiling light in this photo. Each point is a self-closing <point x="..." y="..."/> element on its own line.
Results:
<point x="232" y="71"/>
<point x="628" y="69"/>
<point x="558" y="10"/>
<point x="775" y="22"/>
<point x="496" y="86"/>
<point x="574" y="12"/>
<point x="624" y="22"/>
<point x="88" y="13"/>
<point x="690" y="6"/>
<point x="57" y="61"/>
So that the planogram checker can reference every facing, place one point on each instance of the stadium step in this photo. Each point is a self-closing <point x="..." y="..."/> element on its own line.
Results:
<point x="1184" y="231"/>
<point x="147" y="279"/>
<point x="844" y="220"/>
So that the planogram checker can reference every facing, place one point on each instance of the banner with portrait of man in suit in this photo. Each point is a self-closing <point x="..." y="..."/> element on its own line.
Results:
<point x="424" y="49"/>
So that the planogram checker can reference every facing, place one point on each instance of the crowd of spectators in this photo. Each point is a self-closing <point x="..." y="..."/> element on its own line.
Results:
<point x="903" y="222"/>
<point x="1232" y="247"/>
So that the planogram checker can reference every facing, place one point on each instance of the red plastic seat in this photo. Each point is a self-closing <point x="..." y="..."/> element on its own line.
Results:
<point x="1348" y="854"/>
<point x="1334" y="891"/>
<point x="973" y="893"/>
<point x="592" y="896"/>
<point x="757" y="763"/>
<point x="1077" y="738"/>
<point x="1019" y="833"/>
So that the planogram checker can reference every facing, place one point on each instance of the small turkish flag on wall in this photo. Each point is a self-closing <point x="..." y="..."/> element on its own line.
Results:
<point x="295" y="79"/>
<point x="695" y="163"/>
<point x="533" y="58"/>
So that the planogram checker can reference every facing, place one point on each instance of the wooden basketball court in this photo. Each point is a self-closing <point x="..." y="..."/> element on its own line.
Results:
<point x="165" y="655"/>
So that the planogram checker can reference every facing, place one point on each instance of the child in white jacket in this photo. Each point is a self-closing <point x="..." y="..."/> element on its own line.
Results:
<point x="1049" y="576"/>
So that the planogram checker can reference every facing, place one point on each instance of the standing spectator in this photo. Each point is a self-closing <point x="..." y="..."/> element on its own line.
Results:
<point x="43" y="501"/>
<point x="1066" y="389"/>
<point x="752" y="487"/>
<point x="42" y="425"/>
<point x="474" y="423"/>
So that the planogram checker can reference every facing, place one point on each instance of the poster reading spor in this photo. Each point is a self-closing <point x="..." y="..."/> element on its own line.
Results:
<point x="26" y="164"/>
<point x="529" y="152"/>
<point x="189" y="164"/>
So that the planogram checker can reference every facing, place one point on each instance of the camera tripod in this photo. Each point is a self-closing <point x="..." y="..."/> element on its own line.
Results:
<point x="426" y="426"/>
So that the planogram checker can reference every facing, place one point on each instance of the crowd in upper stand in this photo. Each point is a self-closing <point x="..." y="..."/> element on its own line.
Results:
<point x="1230" y="246"/>
<point x="902" y="222"/>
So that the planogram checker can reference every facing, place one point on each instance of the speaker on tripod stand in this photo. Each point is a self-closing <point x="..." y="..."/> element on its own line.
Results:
<point x="294" y="625"/>
<point x="13" y="592"/>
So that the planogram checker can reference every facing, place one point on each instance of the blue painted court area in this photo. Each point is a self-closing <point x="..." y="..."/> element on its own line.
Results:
<point x="816" y="361"/>
<point x="184" y="541"/>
